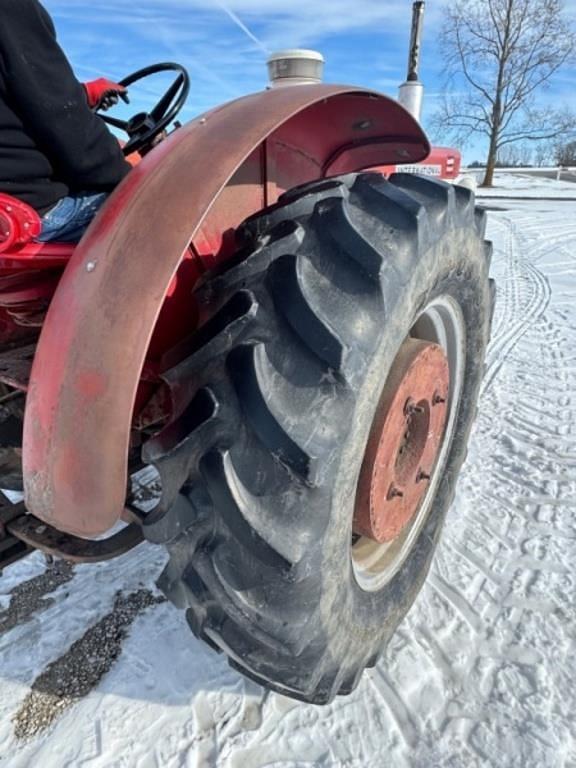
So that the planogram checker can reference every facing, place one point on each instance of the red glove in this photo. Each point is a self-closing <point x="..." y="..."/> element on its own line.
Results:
<point x="103" y="94"/>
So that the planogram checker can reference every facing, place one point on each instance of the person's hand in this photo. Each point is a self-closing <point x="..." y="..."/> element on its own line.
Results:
<point x="103" y="93"/>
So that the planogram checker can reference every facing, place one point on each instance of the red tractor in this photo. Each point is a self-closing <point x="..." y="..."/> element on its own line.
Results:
<point x="296" y="346"/>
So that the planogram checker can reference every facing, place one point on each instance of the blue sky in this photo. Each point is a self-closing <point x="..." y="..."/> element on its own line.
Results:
<point x="224" y="44"/>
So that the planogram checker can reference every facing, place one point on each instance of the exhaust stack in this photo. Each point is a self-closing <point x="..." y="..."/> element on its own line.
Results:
<point x="411" y="92"/>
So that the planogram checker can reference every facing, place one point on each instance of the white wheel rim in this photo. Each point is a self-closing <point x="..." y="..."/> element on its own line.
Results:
<point x="375" y="564"/>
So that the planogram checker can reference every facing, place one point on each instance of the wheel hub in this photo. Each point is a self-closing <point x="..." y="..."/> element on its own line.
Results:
<point x="404" y="441"/>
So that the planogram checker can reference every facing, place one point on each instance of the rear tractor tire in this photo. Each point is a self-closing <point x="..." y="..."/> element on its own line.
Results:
<point x="325" y="417"/>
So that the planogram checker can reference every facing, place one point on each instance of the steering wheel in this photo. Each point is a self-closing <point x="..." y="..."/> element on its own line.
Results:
<point x="145" y="126"/>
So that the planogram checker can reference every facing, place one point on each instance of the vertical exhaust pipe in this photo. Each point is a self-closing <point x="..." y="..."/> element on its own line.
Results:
<point x="411" y="92"/>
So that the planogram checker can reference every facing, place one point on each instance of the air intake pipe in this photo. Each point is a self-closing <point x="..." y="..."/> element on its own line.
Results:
<point x="295" y="67"/>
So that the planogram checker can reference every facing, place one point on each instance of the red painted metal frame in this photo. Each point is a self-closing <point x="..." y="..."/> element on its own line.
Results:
<point x="29" y="274"/>
<point x="36" y="256"/>
<point x="196" y="186"/>
<point x="441" y="163"/>
<point x="404" y="441"/>
<point x="18" y="223"/>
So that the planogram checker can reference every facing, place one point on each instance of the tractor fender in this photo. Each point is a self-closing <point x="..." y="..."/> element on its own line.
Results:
<point x="99" y="324"/>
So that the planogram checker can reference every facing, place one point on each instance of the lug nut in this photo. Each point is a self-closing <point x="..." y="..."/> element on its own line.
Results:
<point x="437" y="399"/>
<point x="393" y="492"/>
<point x="410" y="408"/>
<point x="422" y="476"/>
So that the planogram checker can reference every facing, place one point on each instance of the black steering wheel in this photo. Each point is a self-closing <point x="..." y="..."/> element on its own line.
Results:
<point x="143" y="128"/>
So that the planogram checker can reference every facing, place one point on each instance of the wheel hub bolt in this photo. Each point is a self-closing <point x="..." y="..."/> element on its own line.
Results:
<point x="422" y="476"/>
<point x="411" y="408"/>
<point x="394" y="492"/>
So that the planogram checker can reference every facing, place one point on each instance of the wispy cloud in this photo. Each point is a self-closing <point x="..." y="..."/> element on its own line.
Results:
<point x="239" y="23"/>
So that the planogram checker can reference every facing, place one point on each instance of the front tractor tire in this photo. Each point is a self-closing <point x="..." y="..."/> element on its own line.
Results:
<point x="291" y="549"/>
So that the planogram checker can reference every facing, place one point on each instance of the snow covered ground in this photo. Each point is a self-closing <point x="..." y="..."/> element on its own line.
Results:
<point x="483" y="669"/>
<point x="526" y="185"/>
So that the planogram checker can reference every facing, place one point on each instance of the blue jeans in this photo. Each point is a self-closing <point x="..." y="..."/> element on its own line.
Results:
<point x="67" y="221"/>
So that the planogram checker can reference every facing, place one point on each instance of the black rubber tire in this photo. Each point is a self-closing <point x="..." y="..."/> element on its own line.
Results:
<point x="260" y="465"/>
<point x="11" y="418"/>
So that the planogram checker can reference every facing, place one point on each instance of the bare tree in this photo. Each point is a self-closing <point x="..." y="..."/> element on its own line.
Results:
<point x="544" y="152"/>
<point x="565" y="154"/>
<point x="514" y="155"/>
<point x="499" y="55"/>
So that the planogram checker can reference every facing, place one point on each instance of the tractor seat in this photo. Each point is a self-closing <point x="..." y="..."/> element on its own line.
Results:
<point x="19" y="226"/>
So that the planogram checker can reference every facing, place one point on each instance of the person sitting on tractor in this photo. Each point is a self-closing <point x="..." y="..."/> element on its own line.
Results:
<point x="56" y="154"/>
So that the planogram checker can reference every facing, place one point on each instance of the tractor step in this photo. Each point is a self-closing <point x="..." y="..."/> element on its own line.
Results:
<point x="22" y="533"/>
<point x="39" y="535"/>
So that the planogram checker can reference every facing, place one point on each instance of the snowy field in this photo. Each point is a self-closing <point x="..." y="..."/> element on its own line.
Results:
<point x="482" y="671"/>
<point x="523" y="185"/>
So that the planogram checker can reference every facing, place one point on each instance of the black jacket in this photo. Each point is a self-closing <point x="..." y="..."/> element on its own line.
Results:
<point x="51" y="144"/>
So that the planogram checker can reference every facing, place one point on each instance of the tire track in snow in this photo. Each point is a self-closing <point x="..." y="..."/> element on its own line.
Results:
<point x="390" y="696"/>
<point x="526" y="297"/>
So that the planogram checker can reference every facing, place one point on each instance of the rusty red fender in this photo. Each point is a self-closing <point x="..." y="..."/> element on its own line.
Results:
<point x="99" y="324"/>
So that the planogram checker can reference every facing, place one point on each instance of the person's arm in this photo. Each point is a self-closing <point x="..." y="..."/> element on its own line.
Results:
<point x="52" y="103"/>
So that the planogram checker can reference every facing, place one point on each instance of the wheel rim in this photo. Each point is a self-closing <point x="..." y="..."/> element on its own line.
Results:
<point x="387" y="527"/>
